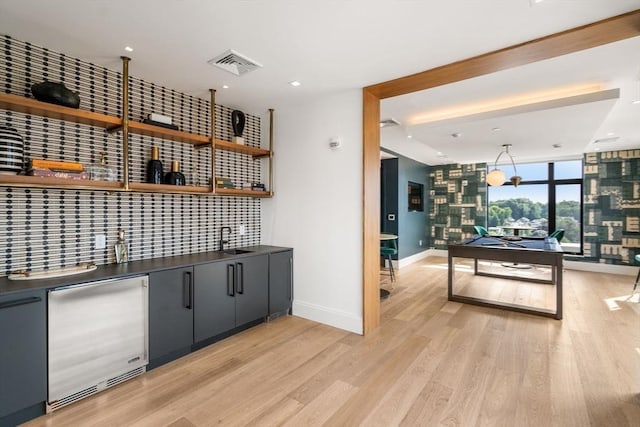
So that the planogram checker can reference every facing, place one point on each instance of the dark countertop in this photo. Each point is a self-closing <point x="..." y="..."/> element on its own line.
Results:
<point x="132" y="268"/>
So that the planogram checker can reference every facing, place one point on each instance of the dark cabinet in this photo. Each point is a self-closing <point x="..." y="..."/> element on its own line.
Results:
<point x="171" y="307"/>
<point x="23" y="337"/>
<point x="229" y="294"/>
<point x="280" y="283"/>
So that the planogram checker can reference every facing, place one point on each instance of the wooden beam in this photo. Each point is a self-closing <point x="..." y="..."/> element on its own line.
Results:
<point x="371" y="212"/>
<point x="585" y="37"/>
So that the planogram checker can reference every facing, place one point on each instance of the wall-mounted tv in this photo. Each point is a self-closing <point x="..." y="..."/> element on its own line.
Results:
<point x="416" y="199"/>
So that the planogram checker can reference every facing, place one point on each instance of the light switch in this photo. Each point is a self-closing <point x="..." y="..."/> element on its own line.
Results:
<point x="242" y="230"/>
<point x="100" y="241"/>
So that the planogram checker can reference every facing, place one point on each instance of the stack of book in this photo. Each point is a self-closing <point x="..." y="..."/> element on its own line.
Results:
<point x="224" y="183"/>
<point x="56" y="169"/>
<point x="160" y="120"/>
<point x="258" y="186"/>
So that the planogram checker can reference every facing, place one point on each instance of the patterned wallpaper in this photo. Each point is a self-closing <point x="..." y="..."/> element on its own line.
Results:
<point x="612" y="206"/>
<point x="54" y="228"/>
<point x="458" y="196"/>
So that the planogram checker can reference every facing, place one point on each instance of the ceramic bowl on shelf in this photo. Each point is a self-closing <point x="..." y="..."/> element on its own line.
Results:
<point x="11" y="151"/>
<point x="55" y="93"/>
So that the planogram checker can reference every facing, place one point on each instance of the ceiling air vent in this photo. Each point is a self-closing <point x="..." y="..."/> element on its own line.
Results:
<point x="234" y="62"/>
<point x="606" y="140"/>
<point x="385" y="123"/>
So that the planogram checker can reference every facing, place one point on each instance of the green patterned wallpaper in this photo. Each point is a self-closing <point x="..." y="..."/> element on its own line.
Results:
<point x="458" y="196"/>
<point x="612" y="206"/>
<point x="458" y="200"/>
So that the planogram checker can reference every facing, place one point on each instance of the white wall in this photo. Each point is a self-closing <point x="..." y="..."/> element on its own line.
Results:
<point x="317" y="207"/>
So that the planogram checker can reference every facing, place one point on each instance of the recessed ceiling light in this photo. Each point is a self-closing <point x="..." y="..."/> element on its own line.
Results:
<point x="496" y="129"/>
<point x="456" y="134"/>
<point x="295" y="83"/>
<point x="128" y="48"/>
<point x="409" y="136"/>
<point x="637" y="101"/>
<point x="225" y="87"/>
<point x="611" y="133"/>
<point x="597" y="148"/>
<point x="557" y="145"/>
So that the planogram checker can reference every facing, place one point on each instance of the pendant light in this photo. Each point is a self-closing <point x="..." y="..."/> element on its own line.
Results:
<point x="496" y="177"/>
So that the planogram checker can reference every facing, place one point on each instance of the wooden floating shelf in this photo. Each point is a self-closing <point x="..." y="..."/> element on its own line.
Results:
<point x="165" y="133"/>
<point x="31" y="106"/>
<point x="238" y="192"/>
<point x="244" y="149"/>
<point x="50" y="182"/>
<point x="24" y="181"/>
<point x="166" y="188"/>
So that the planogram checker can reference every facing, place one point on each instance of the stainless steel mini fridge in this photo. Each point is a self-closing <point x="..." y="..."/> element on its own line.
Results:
<point x="98" y="337"/>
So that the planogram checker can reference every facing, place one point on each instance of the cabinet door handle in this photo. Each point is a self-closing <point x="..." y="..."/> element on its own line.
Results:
<point x="17" y="302"/>
<point x="187" y="290"/>
<point x="231" y="280"/>
<point x="240" y="278"/>
<point x="290" y="279"/>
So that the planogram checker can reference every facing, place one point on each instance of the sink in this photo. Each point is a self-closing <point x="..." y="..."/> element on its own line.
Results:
<point x="236" y="251"/>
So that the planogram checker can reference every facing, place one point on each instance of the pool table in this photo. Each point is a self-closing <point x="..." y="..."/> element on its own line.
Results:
<point x="539" y="251"/>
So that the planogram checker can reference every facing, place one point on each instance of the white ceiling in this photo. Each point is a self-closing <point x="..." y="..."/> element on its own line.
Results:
<point x="575" y="126"/>
<point x="329" y="46"/>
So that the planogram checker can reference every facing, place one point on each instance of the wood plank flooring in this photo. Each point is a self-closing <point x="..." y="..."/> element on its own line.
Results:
<point x="431" y="363"/>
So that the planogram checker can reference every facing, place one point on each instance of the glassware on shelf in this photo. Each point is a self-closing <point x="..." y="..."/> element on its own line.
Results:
<point x="175" y="177"/>
<point x="154" y="167"/>
<point x="121" y="248"/>
<point x="100" y="171"/>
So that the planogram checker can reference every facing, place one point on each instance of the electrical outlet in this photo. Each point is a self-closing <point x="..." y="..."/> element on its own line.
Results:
<point x="100" y="241"/>
<point x="242" y="230"/>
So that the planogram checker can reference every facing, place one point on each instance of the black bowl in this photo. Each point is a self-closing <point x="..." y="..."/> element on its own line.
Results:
<point x="55" y="93"/>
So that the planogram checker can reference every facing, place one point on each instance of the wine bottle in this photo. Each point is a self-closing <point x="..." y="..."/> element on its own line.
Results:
<point x="154" y="168"/>
<point x="175" y="177"/>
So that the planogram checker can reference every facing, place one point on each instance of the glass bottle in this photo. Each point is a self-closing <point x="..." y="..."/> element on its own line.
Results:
<point x="154" y="167"/>
<point x="175" y="177"/>
<point x="121" y="248"/>
<point x="100" y="171"/>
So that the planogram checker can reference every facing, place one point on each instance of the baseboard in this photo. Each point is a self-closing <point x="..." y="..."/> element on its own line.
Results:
<point x="626" y="270"/>
<point x="410" y="259"/>
<point x="438" y="252"/>
<point x="328" y="316"/>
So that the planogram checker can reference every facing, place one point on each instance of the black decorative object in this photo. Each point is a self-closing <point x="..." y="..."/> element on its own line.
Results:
<point x="154" y="167"/>
<point x="55" y="93"/>
<point x="237" y="123"/>
<point x="11" y="151"/>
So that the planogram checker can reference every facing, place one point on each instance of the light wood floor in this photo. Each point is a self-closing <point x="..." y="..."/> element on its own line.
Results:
<point x="431" y="363"/>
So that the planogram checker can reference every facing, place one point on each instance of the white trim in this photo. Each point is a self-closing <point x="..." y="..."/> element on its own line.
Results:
<point x="438" y="252"/>
<point x="328" y="316"/>
<point x="410" y="259"/>
<point x="597" y="267"/>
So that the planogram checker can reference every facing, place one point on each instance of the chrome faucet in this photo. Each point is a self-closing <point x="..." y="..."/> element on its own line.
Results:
<point x="222" y="241"/>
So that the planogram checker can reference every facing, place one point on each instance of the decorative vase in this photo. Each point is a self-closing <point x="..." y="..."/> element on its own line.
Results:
<point x="154" y="167"/>
<point x="11" y="151"/>
<point x="55" y="93"/>
<point x="237" y="124"/>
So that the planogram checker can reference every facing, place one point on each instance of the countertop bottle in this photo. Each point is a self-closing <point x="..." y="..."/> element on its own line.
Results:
<point x="175" y="177"/>
<point x="100" y="171"/>
<point x="121" y="248"/>
<point x="154" y="167"/>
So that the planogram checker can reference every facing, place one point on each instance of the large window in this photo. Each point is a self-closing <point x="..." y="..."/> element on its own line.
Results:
<point x="549" y="198"/>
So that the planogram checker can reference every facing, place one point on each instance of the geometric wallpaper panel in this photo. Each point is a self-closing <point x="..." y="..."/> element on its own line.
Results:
<point x="612" y="206"/>
<point x="458" y="200"/>
<point x="54" y="228"/>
